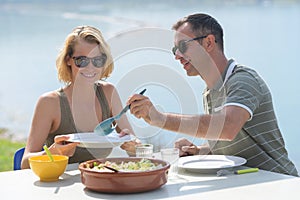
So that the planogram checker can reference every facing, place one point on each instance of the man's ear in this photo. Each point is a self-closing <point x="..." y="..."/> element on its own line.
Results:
<point x="209" y="42"/>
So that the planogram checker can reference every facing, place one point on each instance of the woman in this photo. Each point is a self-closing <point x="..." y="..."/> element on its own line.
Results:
<point x="83" y="64"/>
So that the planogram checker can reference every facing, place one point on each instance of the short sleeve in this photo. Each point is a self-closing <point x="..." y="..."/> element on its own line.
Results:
<point x="243" y="90"/>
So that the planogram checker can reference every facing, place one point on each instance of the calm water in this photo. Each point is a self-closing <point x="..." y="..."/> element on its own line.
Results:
<point x="261" y="34"/>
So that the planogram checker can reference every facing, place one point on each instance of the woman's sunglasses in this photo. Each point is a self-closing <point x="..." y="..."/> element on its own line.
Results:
<point x="83" y="61"/>
<point x="182" y="46"/>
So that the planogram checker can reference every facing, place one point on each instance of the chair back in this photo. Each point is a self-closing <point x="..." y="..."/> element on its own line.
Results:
<point x="18" y="158"/>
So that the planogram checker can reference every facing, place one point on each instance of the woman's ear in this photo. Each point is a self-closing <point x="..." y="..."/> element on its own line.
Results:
<point x="68" y="60"/>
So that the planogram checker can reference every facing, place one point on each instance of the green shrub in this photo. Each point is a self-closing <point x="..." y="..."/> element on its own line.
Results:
<point x="7" y="150"/>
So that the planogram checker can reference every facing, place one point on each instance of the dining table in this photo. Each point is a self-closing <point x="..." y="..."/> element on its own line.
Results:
<point x="24" y="184"/>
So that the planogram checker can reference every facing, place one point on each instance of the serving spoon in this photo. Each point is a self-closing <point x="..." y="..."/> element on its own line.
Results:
<point x="106" y="126"/>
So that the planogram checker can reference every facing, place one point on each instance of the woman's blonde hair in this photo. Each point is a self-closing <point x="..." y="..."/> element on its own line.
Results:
<point x="89" y="34"/>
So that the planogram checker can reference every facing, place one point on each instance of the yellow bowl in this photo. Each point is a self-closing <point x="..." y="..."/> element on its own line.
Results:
<point x="47" y="170"/>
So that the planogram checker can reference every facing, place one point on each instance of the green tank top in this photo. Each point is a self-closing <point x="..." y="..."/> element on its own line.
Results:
<point x="67" y="126"/>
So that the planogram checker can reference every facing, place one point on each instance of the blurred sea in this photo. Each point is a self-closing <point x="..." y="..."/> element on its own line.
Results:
<point x="261" y="34"/>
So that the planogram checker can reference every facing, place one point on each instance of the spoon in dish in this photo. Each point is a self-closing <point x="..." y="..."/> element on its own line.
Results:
<point x="106" y="126"/>
<point x="48" y="152"/>
<point x="112" y="169"/>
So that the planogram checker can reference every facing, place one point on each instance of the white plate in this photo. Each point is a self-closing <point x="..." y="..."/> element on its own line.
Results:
<point x="208" y="164"/>
<point x="92" y="140"/>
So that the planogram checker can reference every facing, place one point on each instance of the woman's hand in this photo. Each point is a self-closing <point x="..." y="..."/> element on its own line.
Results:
<point x="186" y="148"/>
<point x="124" y="132"/>
<point x="61" y="147"/>
<point x="129" y="146"/>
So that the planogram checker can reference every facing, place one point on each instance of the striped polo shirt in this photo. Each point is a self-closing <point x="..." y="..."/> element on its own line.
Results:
<point x="260" y="140"/>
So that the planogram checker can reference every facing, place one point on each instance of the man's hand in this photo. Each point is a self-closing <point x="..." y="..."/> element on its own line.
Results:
<point x="142" y="107"/>
<point x="186" y="148"/>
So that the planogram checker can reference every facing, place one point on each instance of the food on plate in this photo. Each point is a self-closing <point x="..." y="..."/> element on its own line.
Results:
<point x="124" y="166"/>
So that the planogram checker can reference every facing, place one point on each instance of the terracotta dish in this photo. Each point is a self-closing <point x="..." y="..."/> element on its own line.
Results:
<point x="123" y="182"/>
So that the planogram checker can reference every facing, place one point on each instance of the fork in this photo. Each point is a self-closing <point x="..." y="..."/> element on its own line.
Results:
<point x="224" y="172"/>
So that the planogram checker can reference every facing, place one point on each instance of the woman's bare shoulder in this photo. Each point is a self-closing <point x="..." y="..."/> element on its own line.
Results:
<point x="48" y="98"/>
<point x="106" y="85"/>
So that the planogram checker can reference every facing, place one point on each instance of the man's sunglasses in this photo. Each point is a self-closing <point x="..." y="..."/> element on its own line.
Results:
<point x="83" y="61"/>
<point x="182" y="46"/>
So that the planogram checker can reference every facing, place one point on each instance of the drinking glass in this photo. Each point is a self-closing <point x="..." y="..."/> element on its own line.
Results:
<point x="144" y="150"/>
<point x="171" y="155"/>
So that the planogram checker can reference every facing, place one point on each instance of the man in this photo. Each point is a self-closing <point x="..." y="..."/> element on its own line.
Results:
<point x="239" y="117"/>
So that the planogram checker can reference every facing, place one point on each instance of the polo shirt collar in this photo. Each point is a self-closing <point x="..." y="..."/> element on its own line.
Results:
<point x="225" y="75"/>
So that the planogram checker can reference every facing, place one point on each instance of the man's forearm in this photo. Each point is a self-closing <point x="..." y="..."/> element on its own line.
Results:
<point x="187" y="124"/>
<point x="201" y="126"/>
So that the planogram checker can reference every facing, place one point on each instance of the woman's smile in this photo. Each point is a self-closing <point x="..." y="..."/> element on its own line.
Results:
<point x="88" y="74"/>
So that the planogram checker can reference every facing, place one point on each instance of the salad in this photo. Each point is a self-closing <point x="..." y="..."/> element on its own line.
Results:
<point x="130" y="166"/>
